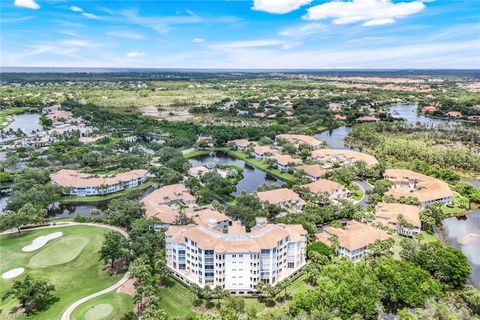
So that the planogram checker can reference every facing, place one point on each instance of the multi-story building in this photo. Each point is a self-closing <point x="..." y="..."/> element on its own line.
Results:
<point x="235" y="260"/>
<point x="241" y="144"/>
<point x="353" y="238"/>
<point x="313" y="171"/>
<point x="88" y="184"/>
<point x="285" y="162"/>
<point x="262" y="152"/>
<point x="332" y="189"/>
<point x="343" y="157"/>
<point x="301" y="139"/>
<point x="164" y="202"/>
<point x="283" y="197"/>
<point x="392" y="214"/>
<point x="426" y="189"/>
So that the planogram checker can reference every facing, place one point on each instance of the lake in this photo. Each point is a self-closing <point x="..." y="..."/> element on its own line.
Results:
<point x="334" y="138"/>
<point x="27" y="122"/>
<point x="462" y="226"/>
<point x="252" y="177"/>
<point x="409" y="112"/>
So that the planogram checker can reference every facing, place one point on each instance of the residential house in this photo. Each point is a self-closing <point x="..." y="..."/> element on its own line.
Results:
<point x="353" y="238"/>
<point x="284" y="162"/>
<point x="426" y="189"/>
<point x="334" y="190"/>
<point x="392" y="214"/>
<point x="284" y="198"/>
<point x="313" y="171"/>
<point x="342" y="156"/>
<point x="241" y="144"/>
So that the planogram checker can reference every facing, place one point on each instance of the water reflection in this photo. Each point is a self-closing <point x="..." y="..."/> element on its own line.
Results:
<point x="409" y="112"/>
<point x="456" y="228"/>
<point x="252" y="177"/>
<point x="27" y="122"/>
<point x="334" y="138"/>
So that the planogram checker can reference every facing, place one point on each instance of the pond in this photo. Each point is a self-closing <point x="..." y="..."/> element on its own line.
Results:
<point x="3" y="202"/>
<point x="27" y="122"/>
<point x="456" y="228"/>
<point x="409" y="112"/>
<point x="252" y="177"/>
<point x="334" y="138"/>
<point x="72" y="209"/>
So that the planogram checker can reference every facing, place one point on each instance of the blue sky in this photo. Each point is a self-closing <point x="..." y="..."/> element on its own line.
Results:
<point x="318" y="34"/>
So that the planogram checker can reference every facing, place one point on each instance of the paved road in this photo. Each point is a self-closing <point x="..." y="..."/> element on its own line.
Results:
<point x="68" y="312"/>
<point x="365" y="186"/>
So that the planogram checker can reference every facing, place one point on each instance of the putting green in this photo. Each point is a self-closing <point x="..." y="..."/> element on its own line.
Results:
<point x="59" y="252"/>
<point x="98" y="312"/>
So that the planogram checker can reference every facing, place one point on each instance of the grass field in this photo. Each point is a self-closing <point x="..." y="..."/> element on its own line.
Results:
<point x="71" y="263"/>
<point x="459" y="205"/>
<point x="177" y="299"/>
<point x="194" y="153"/>
<point x="109" y="306"/>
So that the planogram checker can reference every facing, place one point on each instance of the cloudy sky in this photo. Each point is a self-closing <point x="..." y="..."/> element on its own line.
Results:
<point x="282" y="34"/>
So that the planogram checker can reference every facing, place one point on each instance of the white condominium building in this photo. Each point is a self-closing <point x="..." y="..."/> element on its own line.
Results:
<point x="88" y="184"/>
<point x="235" y="260"/>
<point x="426" y="189"/>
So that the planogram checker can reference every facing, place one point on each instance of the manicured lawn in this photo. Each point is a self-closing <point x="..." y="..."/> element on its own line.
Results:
<point x="109" y="306"/>
<point x="71" y="263"/>
<point x="457" y="207"/>
<point x="195" y="153"/>
<point x="176" y="299"/>
<point x="298" y="284"/>
<point x="427" y="238"/>
<point x="67" y="199"/>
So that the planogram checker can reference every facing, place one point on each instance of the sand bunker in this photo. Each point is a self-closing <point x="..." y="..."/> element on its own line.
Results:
<point x="468" y="238"/>
<point x="13" y="273"/>
<point x="41" y="241"/>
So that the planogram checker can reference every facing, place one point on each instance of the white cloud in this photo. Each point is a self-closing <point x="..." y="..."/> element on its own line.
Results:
<point x="134" y="54"/>
<point x="278" y="6"/>
<point x="198" y="40"/>
<point x="370" y="12"/>
<point x="247" y="44"/>
<point x="30" y="4"/>
<point x="74" y="43"/>
<point x="304" y="30"/>
<point x="126" y="34"/>
<point x="90" y="15"/>
<point x="85" y="14"/>
<point x="76" y="9"/>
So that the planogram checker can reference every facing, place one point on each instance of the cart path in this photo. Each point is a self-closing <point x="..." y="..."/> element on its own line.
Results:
<point x="68" y="312"/>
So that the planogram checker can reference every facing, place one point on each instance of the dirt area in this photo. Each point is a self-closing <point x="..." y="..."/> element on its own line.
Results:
<point x="167" y="113"/>
<point x="128" y="287"/>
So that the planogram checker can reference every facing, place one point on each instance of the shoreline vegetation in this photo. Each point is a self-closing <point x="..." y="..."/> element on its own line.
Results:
<point x="6" y="116"/>
<point x="284" y="176"/>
